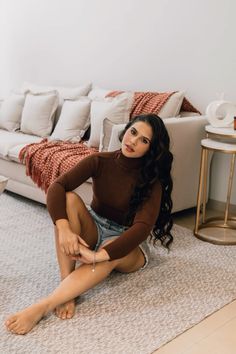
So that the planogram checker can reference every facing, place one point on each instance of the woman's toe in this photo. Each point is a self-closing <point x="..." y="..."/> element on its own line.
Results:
<point x="63" y="315"/>
<point x="10" y="320"/>
<point x="69" y="314"/>
<point x="11" y="324"/>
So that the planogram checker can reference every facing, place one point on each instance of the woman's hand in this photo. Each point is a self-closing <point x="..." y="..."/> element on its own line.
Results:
<point x="69" y="241"/>
<point x="89" y="257"/>
<point x="85" y="255"/>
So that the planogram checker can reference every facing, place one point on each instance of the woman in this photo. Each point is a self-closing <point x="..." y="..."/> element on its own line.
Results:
<point x="131" y="199"/>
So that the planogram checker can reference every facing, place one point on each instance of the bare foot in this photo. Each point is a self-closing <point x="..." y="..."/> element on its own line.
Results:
<point x="66" y="311"/>
<point x="22" y="322"/>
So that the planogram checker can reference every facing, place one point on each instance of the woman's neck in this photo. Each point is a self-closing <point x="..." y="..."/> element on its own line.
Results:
<point x="129" y="162"/>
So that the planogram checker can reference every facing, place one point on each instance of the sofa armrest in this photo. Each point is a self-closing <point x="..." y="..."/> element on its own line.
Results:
<point x="185" y="144"/>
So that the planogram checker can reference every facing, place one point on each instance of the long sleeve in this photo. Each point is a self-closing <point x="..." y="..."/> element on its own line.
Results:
<point x="56" y="196"/>
<point x="143" y="223"/>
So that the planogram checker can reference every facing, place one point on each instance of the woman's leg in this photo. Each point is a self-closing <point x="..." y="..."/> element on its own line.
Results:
<point x="76" y="283"/>
<point x="82" y="224"/>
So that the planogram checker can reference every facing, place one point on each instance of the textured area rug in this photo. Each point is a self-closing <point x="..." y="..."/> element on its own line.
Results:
<point x="126" y="314"/>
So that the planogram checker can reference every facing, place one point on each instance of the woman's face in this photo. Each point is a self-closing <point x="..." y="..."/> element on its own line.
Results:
<point x="137" y="139"/>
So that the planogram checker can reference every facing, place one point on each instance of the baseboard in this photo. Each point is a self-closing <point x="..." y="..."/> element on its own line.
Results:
<point x="220" y="206"/>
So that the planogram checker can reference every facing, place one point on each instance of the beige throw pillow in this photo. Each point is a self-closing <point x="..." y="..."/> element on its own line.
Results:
<point x="38" y="113"/>
<point x="10" y="112"/>
<point x="172" y="107"/>
<point x="65" y="93"/>
<point x="117" y="109"/>
<point x="114" y="143"/>
<point x="73" y="120"/>
<point x="107" y="126"/>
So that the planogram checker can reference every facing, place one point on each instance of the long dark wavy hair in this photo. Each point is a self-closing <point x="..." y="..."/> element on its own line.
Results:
<point x="156" y="166"/>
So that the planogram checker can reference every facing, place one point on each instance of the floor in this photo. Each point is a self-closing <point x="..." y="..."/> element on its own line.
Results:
<point x="215" y="334"/>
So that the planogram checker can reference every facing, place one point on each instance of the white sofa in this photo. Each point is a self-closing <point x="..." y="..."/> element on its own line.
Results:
<point x="185" y="134"/>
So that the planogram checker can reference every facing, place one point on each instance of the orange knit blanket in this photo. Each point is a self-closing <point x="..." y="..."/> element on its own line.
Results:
<point x="47" y="160"/>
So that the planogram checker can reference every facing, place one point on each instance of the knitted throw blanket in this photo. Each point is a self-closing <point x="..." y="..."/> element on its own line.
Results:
<point x="152" y="102"/>
<point x="47" y="160"/>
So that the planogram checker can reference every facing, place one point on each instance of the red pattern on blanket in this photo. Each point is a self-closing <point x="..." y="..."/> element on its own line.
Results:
<point x="152" y="102"/>
<point x="47" y="160"/>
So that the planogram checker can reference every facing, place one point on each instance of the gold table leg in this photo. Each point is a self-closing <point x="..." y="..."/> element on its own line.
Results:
<point x="221" y="230"/>
<point x="231" y="176"/>
<point x="202" y="164"/>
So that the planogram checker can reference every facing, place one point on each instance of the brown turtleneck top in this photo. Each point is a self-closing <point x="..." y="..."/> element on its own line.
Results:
<point x="114" y="177"/>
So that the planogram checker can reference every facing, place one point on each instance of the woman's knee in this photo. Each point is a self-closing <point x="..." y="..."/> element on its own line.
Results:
<point x="132" y="262"/>
<point x="71" y="197"/>
<point x="73" y="201"/>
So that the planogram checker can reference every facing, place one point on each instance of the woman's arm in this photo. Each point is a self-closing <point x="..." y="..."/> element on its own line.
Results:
<point x="56" y="195"/>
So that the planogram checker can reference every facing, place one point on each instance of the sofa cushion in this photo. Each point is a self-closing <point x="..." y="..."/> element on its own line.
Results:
<point x="73" y="120"/>
<point x="38" y="113"/>
<point x="10" y="112"/>
<point x="117" y="109"/>
<point x="9" y="140"/>
<point x="13" y="152"/>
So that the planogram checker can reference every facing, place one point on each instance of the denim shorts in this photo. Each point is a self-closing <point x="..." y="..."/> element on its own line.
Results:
<point x="109" y="230"/>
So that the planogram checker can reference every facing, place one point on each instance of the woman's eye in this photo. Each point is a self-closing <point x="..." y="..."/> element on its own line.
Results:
<point x="145" y="141"/>
<point x="133" y="132"/>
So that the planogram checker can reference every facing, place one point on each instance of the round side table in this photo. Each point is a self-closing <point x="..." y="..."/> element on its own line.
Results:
<point x="218" y="230"/>
<point x="228" y="134"/>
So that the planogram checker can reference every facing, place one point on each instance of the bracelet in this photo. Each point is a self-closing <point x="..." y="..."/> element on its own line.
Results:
<point x="94" y="261"/>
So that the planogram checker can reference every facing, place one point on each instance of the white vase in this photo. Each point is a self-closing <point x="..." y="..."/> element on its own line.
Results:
<point x="221" y="113"/>
<point x="3" y="183"/>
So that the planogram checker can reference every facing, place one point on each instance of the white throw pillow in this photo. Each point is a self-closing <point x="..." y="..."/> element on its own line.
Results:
<point x="65" y="93"/>
<point x="114" y="143"/>
<point x="38" y="113"/>
<point x="10" y="112"/>
<point x="109" y="128"/>
<point x="73" y="120"/>
<point x="117" y="109"/>
<point x="172" y="107"/>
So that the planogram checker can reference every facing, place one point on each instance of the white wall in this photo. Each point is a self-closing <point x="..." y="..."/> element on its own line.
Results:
<point x="127" y="44"/>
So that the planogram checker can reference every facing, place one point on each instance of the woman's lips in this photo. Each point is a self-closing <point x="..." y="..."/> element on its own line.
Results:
<point x="129" y="149"/>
